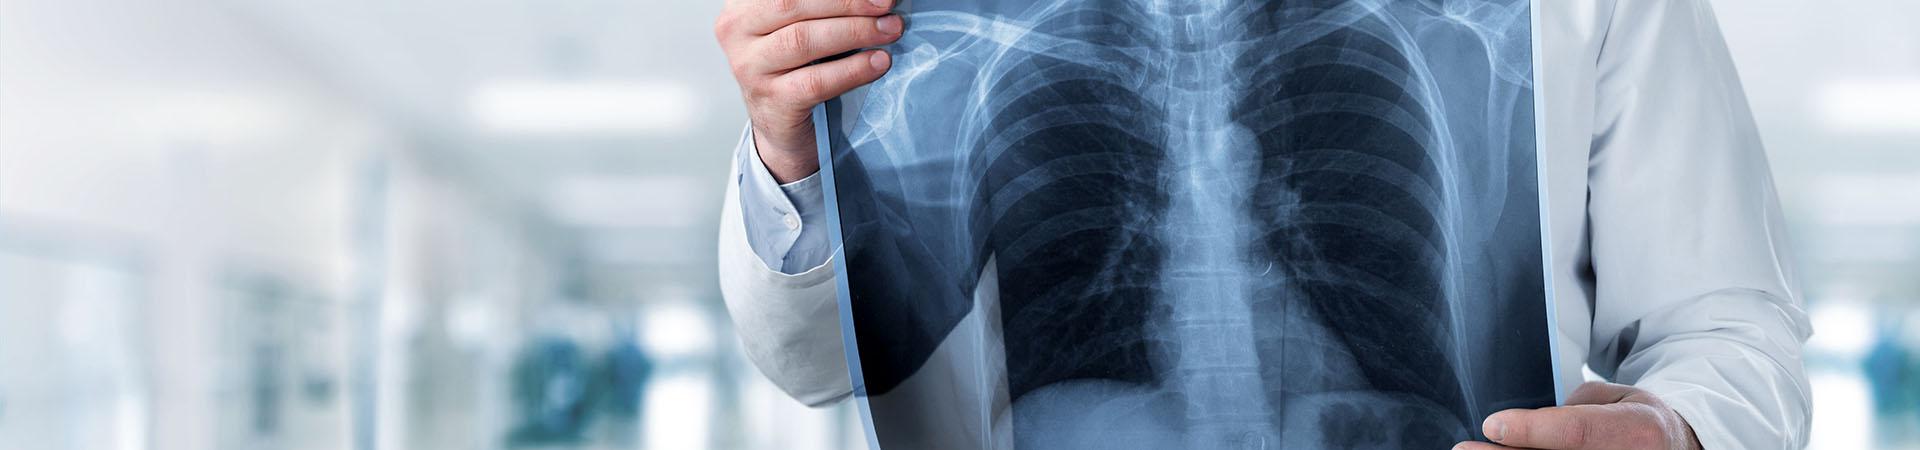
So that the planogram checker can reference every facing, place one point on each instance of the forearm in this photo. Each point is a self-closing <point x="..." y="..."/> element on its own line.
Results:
<point x="778" y="283"/>
<point x="1730" y="363"/>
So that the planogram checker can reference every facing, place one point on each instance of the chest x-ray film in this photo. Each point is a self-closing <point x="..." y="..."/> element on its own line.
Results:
<point x="1212" y="224"/>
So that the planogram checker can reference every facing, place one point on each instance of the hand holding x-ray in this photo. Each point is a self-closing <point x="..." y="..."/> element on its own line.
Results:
<point x="772" y="46"/>
<point x="1597" y="416"/>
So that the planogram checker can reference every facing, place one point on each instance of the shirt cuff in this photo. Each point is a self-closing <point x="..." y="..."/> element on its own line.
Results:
<point x="783" y="222"/>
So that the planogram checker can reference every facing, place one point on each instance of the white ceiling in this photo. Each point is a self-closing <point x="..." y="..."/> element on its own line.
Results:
<point x="419" y="64"/>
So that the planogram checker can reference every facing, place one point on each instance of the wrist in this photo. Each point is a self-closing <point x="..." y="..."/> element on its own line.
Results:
<point x="788" y="156"/>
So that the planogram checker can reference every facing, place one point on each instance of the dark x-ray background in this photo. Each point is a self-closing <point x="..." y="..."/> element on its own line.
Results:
<point x="1195" y="224"/>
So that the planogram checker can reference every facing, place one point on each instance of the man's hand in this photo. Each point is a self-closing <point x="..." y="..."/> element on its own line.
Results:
<point x="771" y="46"/>
<point x="1599" y="416"/>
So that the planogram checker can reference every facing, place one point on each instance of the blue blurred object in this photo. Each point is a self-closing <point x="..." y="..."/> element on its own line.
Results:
<point x="1893" y="375"/>
<point x="623" y="376"/>
<point x="550" y="392"/>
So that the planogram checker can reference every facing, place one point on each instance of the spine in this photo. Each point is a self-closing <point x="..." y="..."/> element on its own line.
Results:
<point x="1216" y="367"/>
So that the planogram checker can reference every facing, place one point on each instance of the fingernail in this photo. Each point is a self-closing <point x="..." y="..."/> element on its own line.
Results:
<point x="879" y="60"/>
<point x="889" y="25"/>
<point x="882" y="3"/>
<point x="1496" y="429"/>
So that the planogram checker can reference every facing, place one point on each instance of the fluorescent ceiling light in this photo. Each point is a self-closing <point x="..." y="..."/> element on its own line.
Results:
<point x="1846" y="327"/>
<point x="585" y="108"/>
<point x="1871" y="106"/>
<point x="676" y="329"/>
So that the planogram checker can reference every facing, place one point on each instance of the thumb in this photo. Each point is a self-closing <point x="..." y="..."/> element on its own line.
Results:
<point x="1578" y="427"/>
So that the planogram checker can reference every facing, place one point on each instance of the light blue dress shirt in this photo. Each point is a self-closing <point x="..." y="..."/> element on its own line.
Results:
<point x="786" y="223"/>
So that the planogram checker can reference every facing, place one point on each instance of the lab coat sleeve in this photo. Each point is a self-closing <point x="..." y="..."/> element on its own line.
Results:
<point x="1694" y="298"/>
<point x="788" y="323"/>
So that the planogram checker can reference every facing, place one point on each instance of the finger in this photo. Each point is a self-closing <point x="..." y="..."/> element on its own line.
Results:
<point x="1480" y="446"/>
<point x="1580" y="427"/>
<point x="817" y="83"/>
<point x="805" y="42"/>
<point x="1599" y="393"/>
<point x="765" y="16"/>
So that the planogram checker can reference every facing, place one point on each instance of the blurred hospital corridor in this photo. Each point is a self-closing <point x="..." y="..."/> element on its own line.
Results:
<point x="402" y="225"/>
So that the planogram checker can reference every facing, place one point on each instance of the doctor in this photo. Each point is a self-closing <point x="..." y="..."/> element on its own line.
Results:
<point x="1669" y="254"/>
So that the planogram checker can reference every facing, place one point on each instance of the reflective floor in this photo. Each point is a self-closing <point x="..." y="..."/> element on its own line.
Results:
<point x="368" y="224"/>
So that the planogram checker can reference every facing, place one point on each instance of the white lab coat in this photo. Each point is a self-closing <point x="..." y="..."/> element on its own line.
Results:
<point x="1668" y="254"/>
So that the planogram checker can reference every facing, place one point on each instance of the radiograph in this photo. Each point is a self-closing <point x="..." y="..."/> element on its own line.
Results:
<point x="1203" y="224"/>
